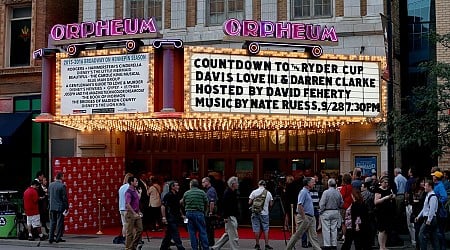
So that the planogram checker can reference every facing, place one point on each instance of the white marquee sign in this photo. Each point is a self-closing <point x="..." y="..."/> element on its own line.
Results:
<point x="105" y="84"/>
<point x="292" y="86"/>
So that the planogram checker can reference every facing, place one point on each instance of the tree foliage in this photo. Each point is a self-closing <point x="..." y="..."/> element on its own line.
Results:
<point x="427" y="122"/>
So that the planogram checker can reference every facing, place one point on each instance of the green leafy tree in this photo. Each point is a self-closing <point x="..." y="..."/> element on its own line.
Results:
<point x="426" y="124"/>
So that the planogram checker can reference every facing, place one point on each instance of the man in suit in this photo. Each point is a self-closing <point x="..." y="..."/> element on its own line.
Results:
<point x="58" y="206"/>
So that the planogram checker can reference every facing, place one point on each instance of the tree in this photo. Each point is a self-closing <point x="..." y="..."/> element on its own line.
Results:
<point x="426" y="124"/>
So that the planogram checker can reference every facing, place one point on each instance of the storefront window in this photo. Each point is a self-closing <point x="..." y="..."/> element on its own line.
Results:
<point x="292" y="140"/>
<point x="244" y="168"/>
<point x="301" y="166"/>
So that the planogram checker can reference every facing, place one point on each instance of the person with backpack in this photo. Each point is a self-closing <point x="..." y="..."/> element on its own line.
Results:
<point x="260" y="199"/>
<point x="441" y="194"/>
<point x="428" y="219"/>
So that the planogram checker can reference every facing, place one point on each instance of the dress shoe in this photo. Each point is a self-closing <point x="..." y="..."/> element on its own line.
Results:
<point x="51" y="241"/>
<point x="60" y="240"/>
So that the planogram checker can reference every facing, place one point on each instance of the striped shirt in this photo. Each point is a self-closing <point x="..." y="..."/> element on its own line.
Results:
<point x="195" y="200"/>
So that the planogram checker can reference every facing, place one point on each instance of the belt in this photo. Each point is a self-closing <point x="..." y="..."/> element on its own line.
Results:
<point x="309" y="215"/>
<point x="331" y="209"/>
<point x="400" y="194"/>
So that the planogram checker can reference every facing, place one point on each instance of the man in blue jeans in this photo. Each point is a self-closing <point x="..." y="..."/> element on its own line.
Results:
<point x="195" y="202"/>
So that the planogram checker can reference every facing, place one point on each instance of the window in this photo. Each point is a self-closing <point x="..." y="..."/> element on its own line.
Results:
<point x="221" y="10"/>
<point x="311" y="8"/>
<point x="146" y="9"/>
<point x="19" y="37"/>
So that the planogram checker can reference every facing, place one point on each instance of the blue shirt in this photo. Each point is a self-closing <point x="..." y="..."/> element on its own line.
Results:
<point x="400" y="182"/>
<point x="439" y="189"/>
<point x="305" y="200"/>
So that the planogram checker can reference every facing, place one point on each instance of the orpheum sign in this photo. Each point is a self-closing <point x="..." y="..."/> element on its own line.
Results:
<point x="277" y="83"/>
<point x="116" y="27"/>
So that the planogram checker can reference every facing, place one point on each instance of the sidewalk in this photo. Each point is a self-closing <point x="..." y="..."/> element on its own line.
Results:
<point x="76" y="241"/>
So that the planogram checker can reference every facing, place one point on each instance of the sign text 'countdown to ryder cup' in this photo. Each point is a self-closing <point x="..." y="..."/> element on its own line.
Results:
<point x="292" y="86"/>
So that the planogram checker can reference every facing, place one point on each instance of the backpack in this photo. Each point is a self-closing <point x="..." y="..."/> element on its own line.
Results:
<point x="258" y="202"/>
<point x="441" y="212"/>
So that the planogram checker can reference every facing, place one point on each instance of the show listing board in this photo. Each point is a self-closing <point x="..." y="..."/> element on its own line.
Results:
<point x="105" y="84"/>
<point x="227" y="83"/>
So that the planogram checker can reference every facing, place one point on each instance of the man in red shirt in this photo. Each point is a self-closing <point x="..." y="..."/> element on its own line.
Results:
<point x="31" y="207"/>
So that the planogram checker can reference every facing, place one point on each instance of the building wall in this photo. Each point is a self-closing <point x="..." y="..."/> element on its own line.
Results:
<point x="443" y="53"/>
<point x="27" y="80"/>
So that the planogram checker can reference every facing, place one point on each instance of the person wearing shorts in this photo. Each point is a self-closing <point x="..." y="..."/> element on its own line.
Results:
<point x="260" y="222"/>
<point x="31" y="207"/>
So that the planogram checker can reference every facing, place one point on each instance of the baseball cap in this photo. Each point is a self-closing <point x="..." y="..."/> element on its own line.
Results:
<point x="438" y="174"/>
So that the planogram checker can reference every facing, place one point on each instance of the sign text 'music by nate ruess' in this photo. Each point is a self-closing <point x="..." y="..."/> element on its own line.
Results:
<point x="291" y="86"/>
<point x="105" y="84"/>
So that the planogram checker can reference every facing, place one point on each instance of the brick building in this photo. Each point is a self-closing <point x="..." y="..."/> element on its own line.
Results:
<point x="199" y="23"/>
<point x="25" y="25"/>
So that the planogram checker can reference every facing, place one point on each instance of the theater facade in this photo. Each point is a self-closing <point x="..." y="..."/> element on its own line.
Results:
<point x="279" y="105"/>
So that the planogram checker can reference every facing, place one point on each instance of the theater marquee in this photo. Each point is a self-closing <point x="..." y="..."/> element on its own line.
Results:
<point x="287" y="84"/>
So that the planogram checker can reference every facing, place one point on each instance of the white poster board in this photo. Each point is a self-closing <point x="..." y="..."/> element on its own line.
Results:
<point x="105" y="84"/>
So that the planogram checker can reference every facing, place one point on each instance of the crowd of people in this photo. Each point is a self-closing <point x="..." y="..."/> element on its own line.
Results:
<point x="364" y="211"/>
<point x="371" y="211"/>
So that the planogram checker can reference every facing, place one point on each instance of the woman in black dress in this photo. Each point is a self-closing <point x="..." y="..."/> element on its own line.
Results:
<point x="384" y="205"/>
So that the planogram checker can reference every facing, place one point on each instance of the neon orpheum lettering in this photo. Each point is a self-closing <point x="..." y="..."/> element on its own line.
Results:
<point x="281" y="30"/>
<point x="100" y="28"/>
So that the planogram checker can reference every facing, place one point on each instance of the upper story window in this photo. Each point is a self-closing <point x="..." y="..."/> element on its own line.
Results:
<point x="146" y="9"/>
<point x="221" y="10"/>
<point x="311" y="9"/>
<point x="19" y="37"/>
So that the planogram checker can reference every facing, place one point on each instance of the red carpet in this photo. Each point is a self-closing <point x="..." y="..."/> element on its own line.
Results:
<point x="275" y="233"/>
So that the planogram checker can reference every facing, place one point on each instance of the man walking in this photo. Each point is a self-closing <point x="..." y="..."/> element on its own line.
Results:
<point x="211" y="209"/>
<point x="133" y="216"/>
<point x="58" y="206"/>
<point x="306" y="222"/>
<point x="195" y="202"/>
<point x="427" y="217"/>
<point x="171" y="215"/>
<point x="330" y="216"/>
<point x="230" y="212"/>
<point x="122" y="207"/>
<point x="260" y="221"/>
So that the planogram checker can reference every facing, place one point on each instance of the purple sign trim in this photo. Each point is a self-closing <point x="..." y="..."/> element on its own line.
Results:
<point x="116" y="27"/>
<point x="281" y="30"/>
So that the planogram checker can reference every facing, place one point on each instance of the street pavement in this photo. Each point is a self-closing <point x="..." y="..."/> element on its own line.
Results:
<point x="77" y="241"/>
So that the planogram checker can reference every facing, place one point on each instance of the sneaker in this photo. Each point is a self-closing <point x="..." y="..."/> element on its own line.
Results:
<point x="267" y="247"/>
<point x="257" y="247"/>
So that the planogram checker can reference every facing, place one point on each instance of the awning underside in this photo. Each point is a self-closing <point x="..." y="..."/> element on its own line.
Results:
<point x="208" y="124"/>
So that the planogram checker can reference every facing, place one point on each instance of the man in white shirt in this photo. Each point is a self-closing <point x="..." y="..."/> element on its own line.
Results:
<point x="429" y="228"/>
<point x="122" y="207"/>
